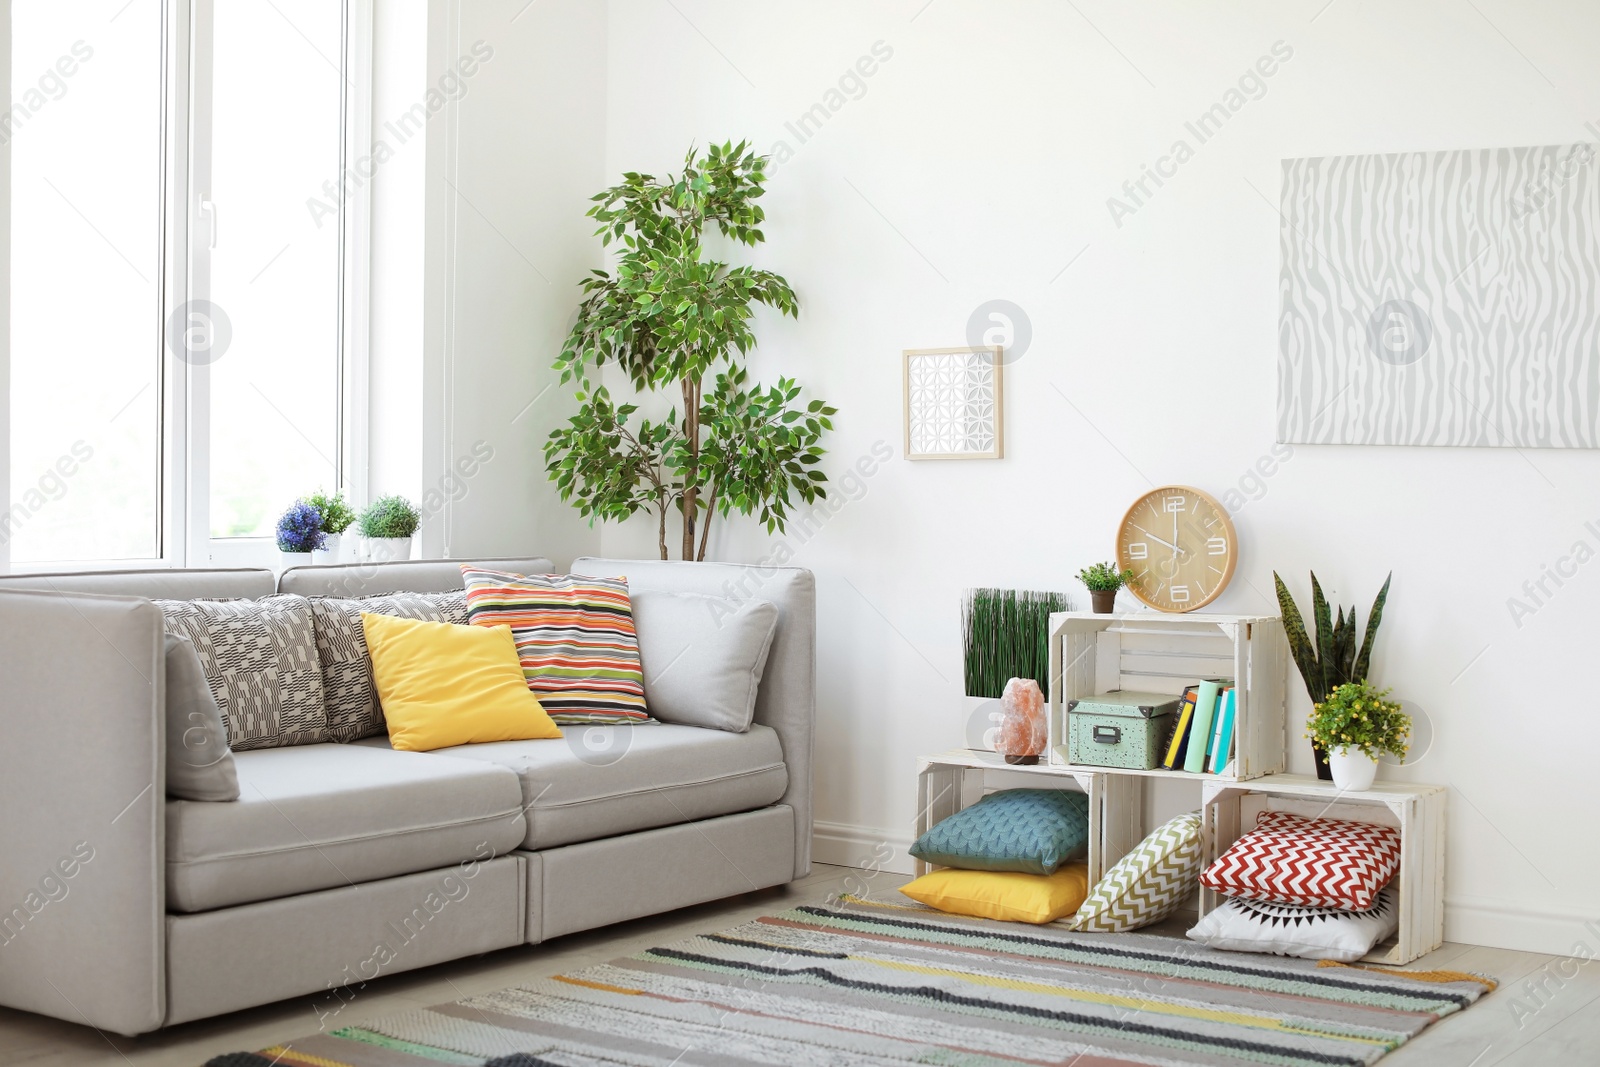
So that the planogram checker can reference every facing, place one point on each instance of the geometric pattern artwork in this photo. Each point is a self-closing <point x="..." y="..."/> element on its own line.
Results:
<point x="260" y="660"/>
<point x="953" y="403"/>
<point x="1320" y="863"/>
<point x="347" y="686"/>
<point x="1441" y="298"/>
<point x="1149" y="883"/>
<point x="1033" y="831"/>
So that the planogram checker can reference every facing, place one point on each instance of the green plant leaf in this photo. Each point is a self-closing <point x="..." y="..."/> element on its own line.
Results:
<point x="1363" y="661"/>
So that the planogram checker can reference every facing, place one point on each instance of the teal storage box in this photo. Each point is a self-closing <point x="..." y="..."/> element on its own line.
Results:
<point x="1120" y="729"/>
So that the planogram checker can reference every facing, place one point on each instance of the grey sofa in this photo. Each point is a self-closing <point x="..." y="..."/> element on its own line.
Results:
<point x="127" y="911"/>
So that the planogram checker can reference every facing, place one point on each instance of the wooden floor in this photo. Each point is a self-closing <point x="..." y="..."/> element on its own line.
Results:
<point x="1546" y="1013"/>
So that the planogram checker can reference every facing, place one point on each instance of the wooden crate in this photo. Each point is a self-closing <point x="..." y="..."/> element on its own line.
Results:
<point x="950" y="781"/>
<point x="1417" y="811"/>
<point x="1162" y="653"/>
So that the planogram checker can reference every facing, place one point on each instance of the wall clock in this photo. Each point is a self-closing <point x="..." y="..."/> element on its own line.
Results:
<point x="1180" y="545"/>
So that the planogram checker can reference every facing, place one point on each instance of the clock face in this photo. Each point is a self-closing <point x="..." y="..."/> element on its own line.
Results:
<point x="1180" y="545"/>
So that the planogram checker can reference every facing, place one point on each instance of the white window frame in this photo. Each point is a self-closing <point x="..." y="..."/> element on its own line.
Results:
<point x="183" y="537"/>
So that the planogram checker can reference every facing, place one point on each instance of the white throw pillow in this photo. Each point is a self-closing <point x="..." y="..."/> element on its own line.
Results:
<point x="703" y="656"/>
<point x="1244" y="925"/>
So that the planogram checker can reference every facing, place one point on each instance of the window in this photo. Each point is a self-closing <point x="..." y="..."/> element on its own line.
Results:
<point x="178" y="306"/>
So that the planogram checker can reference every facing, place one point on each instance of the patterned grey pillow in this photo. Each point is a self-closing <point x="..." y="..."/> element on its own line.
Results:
<point x="260" y="660"/>
<point x="348" y="690"/>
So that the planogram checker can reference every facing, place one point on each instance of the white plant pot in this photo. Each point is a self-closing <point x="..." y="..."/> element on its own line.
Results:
<point x="1353" y="771"/>
<point x="293" y="559"/>
<point x="330" y="550"/>
<point x="982" y="716"/>
<point x="388" y="549"/>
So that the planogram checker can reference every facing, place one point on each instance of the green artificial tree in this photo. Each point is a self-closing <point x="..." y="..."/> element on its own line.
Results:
<point x="675" y="320"/>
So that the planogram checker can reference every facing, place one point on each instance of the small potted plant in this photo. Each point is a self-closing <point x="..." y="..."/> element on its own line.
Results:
<point x="299" y="533"/>
<point x="336" y="519"/>
<point x="387" y="525"/>
<point x="1355" y="726"/>
<point x="1103" y="580"/>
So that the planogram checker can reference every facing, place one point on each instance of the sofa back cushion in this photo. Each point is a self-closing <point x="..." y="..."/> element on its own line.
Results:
<point x="199" y="764"/>
<point x="575" y="638"/>
<point x="260" y="660"/>
<point x="703" y="656"/>
<point x="348" y="690"/>
<point x="399" y="576"/>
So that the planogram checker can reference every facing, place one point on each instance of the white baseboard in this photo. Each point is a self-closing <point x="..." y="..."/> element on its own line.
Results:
<point x="1472" y="921"/>
<point x="865" y="847"/>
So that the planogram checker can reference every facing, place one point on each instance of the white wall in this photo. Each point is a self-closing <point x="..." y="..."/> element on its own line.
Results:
<point x="977" y="164"/>
<point x="513" y="154"/>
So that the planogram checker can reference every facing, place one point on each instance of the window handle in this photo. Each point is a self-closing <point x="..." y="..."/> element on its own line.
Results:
<point x="208" y="208"/>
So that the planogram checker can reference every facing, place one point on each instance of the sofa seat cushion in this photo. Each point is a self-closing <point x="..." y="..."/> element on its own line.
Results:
<point x="601" y="781"/>
<point x="320" y="816"/>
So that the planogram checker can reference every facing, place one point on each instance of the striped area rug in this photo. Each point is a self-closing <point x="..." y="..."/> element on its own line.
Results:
<point x="871" y="982"/>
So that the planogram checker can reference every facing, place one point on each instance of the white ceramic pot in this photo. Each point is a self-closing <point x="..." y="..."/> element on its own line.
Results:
<point x="983" y="721"/>
<point x="332" y="546"/>
<point x="388" y="549"/>
<point x="293" y="559"/>
<point x="1353" y="771"/>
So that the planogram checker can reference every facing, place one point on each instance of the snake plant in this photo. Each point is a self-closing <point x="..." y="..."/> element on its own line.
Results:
<point x="1332" y="659"/>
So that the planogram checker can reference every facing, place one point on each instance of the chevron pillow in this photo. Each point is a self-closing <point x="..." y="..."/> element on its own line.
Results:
<point x="1320" y="863"/>
<point x="1031" y="831"/>
<point x="1149" y="883"/>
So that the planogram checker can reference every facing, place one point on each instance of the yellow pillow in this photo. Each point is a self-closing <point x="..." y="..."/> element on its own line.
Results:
<point x="1016" y="897"/>
<point x="443" y="685"/>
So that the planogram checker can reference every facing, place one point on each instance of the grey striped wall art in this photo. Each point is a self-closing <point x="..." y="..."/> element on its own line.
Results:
<point x="1441" y="298"/>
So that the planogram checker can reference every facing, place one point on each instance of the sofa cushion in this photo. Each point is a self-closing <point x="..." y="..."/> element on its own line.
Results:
<point x="575" y="637"/>
<point x="347" y="687"/>
<point x="260" y="659"/>
<point x="703" y="656"/>
<point x="600" y="781"/>
<point x="318" y="816"/>
<point x="199" y="765"/>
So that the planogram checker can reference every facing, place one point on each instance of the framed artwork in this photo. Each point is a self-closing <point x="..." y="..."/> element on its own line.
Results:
<point x="953" y="403"/>
<point x="1441" y="298"/>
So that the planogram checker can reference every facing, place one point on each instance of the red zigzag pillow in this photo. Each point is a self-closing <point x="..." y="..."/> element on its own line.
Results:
<point x="1321" y="863"/>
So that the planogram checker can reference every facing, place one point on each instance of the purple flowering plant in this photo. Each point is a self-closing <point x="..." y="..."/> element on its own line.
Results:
<point x="300" y="528"/>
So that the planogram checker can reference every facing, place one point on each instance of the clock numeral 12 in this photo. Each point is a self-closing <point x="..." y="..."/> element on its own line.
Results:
<point x="1176" y="503"/>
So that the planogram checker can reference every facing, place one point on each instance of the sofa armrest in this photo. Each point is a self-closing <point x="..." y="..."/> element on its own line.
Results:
<point x="787" y="699"/>
<point x="82" y="731"/>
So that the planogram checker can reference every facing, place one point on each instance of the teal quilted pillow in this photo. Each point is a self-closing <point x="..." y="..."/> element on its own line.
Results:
<point x="1029" y="830"/>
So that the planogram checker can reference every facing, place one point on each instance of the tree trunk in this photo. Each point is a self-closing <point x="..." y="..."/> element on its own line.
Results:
<point x="661" y="531"/>
<point x="711" y="513"/>
<point x="691" y="474"/>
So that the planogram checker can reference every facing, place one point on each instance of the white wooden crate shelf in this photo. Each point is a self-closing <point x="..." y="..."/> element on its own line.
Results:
<point x="1160" y="653"/>
<point x="1417" y="811"/>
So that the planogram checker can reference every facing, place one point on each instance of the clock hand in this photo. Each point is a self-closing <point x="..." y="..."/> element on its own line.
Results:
<point x="1153" y="537"/>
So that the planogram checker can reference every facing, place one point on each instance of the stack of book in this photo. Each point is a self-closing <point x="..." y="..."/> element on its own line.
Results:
<point x="1202" y="737"/>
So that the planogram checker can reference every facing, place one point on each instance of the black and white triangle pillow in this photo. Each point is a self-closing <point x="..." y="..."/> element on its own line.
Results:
<point x="1243" y="925"/>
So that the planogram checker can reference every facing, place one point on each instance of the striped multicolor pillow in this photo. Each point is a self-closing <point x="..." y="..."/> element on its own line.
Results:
<point x="575" y="638"/>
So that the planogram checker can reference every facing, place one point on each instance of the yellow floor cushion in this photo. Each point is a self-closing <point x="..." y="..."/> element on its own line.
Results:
<point x="1009" y="895"/>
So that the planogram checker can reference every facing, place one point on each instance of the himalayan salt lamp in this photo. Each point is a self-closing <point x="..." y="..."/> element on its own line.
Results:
<point x="1022" y="727"/>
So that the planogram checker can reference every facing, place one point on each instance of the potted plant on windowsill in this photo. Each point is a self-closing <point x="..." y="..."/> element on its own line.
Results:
<point x="1355" y="726"/>
<point x="299" y="533"/>
<point x="1006" y="639"/>
<point x="1103" y="580"/>
<point x="387" y="525"/>
<point x="336" y="519"/>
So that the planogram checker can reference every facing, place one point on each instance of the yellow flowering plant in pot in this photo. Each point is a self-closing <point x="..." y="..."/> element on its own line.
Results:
<point x="1355" y="726"/>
